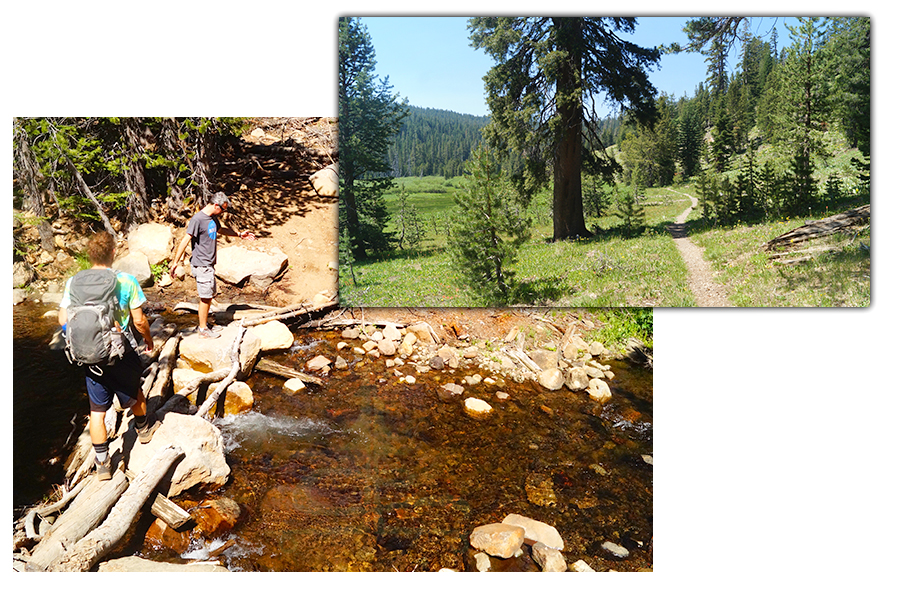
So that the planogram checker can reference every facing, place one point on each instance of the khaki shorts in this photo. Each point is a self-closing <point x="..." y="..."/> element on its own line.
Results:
<point x="206" y="281"/>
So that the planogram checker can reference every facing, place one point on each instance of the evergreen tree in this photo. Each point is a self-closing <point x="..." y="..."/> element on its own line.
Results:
<point x="408" y="222"/>
<point x="370" y="116"/>
<point x="489" y="229"/>
<point x="630" y="209"/>
<point x="129" y="169"/>
<point x="690" y="137"/>
<point x="546" y="68"/>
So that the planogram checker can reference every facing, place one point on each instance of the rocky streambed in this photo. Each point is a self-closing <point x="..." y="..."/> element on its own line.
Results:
<point x="418" y="432"/>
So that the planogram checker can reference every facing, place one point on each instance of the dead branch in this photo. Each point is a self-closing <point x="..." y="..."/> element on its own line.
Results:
<point x="86" y="511"/>
<point x="88" y="551"/>
<point x="223" y="385"/>
<point x="269" y="366"/>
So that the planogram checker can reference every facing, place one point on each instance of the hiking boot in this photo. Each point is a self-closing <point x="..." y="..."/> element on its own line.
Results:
<point x="145" y="434"/>
<point x="207" y="333"/>
<point x="104" y="470"/>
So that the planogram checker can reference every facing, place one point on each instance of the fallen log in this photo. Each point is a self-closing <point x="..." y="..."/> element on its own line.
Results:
<point x="167" y="359"/>
<point x="165" y="509"/>
<point x="852" y="218"/>
<point x="86" y="511"/>
<point x="213" y="397"/>
<point x="48" y="509"/>
<point x="290" y="312"/>
<point x="269" y="366"/>
<point x="91" y="548"/>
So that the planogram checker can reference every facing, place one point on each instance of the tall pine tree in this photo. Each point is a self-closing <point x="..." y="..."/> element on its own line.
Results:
<point x="369" y="117"/>
<point x="540" y="95"/>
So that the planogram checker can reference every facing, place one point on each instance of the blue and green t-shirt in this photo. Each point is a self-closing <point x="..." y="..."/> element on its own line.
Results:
<point x="131" y="296"/>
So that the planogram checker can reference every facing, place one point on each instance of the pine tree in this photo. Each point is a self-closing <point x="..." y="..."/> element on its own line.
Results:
<point x="489" y="229"/>
<point x="369" y="118"/>
<point x="537" y="92"/>
<point x="408" y="222"/>
<point x="630" y="209"/>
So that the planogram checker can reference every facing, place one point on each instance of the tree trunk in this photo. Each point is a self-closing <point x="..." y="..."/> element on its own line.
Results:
<point x="568" y="209"/>
<point x="34" y="194"/>
<point x="138" y="201"/>
<point x="90" y="549"/>
<point x="85" y="512"/>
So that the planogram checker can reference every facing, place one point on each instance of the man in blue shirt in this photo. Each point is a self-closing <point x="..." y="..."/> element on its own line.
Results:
<point x="122" y="379"/>
<point x="202" y="231"/>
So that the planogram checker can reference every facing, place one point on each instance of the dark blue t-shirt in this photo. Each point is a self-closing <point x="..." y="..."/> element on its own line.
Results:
<point x="203" y="230"/>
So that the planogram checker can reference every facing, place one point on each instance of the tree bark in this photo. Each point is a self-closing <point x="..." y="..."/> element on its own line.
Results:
<point x="568" y="209"/>
<point x="90" y="549"/>
<point x="85" y="512"/>
<point x="34" y="194"/>
<point x="138" y="201"/>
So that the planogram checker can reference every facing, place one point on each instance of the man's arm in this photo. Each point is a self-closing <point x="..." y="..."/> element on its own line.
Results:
<point x="143" y="326"/>
<point x="179" y="252"/>
<point x="227" y="231"/>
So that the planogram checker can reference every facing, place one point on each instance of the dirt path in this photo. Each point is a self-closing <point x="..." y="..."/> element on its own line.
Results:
<point x="707" y="292"/>
<point x="267" y="180"/>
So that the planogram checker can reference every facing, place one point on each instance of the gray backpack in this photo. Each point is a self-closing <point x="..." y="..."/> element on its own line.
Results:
<point x="92" y="334"/>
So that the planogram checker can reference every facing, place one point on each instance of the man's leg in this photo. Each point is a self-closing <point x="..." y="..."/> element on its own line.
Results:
<point x="100" y="400"/>
<point x="203" y="311"/>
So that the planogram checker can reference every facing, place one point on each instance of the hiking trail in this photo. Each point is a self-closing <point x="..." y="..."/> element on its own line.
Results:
<point x="707" y="291"/>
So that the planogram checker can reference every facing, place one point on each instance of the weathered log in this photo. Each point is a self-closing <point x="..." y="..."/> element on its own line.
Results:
<point x="820" y="228"/>
<point x="270" y="366"/>
<point x="165" y="509"/>
<point x="223" y="385"/>
<point x="48" y="509"/>
<point x="91" y="548"/>
<point x="167" y="358"/>
<point x="85" y="512"/>
<point x="289" y="312"/>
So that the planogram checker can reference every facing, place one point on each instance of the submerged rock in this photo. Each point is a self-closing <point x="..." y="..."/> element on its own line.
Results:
<point x="216" y="517"/>
<point x="499" y="540"/>
<point x="615" y="550"/>
<point x="318" y="363"/>
<point x="550" y="559"/>
<point x="536" y="531"/>
<point x="477" y="407"/>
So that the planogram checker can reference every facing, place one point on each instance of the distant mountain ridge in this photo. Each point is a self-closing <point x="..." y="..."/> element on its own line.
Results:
<point x="435" y="142"/>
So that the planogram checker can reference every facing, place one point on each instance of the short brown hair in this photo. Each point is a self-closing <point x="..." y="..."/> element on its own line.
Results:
<point x="101" y="248"/>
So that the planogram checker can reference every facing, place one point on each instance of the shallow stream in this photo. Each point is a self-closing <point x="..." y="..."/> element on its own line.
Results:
<point x="370" y="473"/>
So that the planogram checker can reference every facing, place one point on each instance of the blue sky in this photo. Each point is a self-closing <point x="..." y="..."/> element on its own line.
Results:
<point x="428" y="60"/>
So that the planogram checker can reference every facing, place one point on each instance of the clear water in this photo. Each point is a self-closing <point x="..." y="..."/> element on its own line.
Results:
<point x="370" y="474"/>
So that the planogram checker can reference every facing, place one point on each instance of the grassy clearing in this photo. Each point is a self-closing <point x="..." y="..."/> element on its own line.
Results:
<point x="607" y="270"/>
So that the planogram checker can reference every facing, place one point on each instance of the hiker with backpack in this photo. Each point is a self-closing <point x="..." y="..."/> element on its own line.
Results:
<point x="98" y="309"/>
<point x="202" y="231"/>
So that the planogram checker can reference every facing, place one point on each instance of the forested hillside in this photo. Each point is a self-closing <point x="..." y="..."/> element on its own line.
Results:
<point x="785" y="132"/>
<point x="434" y="142"/>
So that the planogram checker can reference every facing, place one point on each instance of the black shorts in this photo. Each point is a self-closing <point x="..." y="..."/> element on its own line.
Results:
<point x="122" y="380"/>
